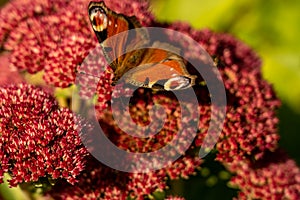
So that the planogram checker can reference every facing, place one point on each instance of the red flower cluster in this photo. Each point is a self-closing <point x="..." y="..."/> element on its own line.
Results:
<point x="274" y="177"/>
<point x="37" y="139"/>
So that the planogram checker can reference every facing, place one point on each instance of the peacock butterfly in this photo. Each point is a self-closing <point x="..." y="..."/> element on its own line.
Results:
<point x="153" y="67"/>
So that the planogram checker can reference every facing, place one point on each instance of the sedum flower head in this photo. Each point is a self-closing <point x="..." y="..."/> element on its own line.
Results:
<point x="274" y="177"/>
<point x="37" y="138"/>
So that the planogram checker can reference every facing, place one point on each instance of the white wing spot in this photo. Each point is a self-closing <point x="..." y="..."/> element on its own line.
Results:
<point x="177" y="83"/>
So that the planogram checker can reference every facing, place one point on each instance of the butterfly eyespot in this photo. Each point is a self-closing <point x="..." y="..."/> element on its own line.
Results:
<point x="177" y="83"/>
<point x="98" y="18"/>
<point x="95" y="8"/>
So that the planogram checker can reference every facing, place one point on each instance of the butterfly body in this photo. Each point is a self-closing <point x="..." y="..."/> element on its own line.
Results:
<point x="147" y="67"/>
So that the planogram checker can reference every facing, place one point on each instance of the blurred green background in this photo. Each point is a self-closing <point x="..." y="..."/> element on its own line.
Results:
<point x="272" y="29"/>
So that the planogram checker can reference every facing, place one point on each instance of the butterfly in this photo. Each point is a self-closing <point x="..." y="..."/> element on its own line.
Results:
<point x="153" y="67"/>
